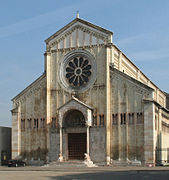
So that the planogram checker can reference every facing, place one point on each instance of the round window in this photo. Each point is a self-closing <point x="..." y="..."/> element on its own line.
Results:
<point x="77" y="71"/>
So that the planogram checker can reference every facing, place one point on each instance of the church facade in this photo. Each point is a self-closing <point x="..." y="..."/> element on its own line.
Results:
<point x="91" y="99"/>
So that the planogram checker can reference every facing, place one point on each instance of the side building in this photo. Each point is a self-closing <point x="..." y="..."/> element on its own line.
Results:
<point x="5" y="144"/>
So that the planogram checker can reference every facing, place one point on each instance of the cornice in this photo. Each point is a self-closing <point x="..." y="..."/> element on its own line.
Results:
<point x="148" y="100"/>
<point x="76" y="48"/>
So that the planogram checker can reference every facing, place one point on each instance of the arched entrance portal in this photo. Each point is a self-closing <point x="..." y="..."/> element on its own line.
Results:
<point x="74" y="123"/>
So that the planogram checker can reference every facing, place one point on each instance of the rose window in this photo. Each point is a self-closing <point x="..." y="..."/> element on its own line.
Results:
<point x="78" y="71"/>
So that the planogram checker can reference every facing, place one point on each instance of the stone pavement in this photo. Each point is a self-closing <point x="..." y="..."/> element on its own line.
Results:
<point x="83" y="173"/>
<point x="84" y="168"/>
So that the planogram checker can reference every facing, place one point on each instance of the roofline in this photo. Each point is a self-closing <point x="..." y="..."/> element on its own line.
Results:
<point x="156" y="103"/>
<point x="138" y="68"/>
<point x="6" y="127"/>
<point x="167" y="94"/>
<point x="29" y="86"/>
<point x="131" y="78"/>
<point x="74" y="21"/>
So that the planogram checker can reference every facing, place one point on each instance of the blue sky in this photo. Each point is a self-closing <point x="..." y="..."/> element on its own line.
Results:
<point x="141" y="31"/>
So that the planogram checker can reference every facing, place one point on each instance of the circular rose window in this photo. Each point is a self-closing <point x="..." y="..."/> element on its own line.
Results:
<point x="77" y="71"/>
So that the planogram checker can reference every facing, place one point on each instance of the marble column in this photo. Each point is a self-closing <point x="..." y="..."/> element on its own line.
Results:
<point x="61" y="145"/>
<point x="88" y="140"/>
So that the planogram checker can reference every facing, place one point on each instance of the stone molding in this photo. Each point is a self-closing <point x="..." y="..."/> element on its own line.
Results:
<point x="77" y="48"/>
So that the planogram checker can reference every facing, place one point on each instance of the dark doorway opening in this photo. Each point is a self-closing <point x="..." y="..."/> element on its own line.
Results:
<point x="76" y="146"/>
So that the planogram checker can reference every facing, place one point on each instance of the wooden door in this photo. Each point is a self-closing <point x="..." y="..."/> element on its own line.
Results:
<point x="76" y="145"/>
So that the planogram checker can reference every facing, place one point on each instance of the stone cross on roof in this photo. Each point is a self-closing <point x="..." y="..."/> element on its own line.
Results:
<point x="77" y="15"/>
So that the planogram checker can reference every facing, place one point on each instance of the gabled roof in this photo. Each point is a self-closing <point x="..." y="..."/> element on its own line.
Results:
<point x="78" y="101"/>
<point x="81" y="21"/>
<point x="131" y="79"/>
<point x="30" y="86"/>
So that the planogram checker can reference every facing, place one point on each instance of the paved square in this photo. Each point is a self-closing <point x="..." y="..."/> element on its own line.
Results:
<point x="100" y="173"/>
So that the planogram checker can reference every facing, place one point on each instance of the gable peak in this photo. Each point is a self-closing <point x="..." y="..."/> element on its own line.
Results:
<point x="79" y="33"/>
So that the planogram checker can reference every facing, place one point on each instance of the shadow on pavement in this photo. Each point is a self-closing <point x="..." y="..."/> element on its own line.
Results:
<point x="120" y="175"/>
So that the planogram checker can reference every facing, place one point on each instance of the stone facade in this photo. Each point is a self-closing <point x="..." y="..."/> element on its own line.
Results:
<point x="91" y="99"/>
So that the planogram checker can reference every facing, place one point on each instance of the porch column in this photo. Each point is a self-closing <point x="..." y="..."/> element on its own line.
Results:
<point x="88" y="124"/>
<point x="88" y="141"/>
<point x="61" y="145"/>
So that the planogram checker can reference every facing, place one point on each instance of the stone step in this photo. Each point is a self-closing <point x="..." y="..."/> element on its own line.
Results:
<point x="67" y="164"/>
<point x="126" y="163"/>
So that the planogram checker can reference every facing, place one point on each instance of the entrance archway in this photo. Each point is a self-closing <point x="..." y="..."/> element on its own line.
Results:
<point x="77" y="141"/>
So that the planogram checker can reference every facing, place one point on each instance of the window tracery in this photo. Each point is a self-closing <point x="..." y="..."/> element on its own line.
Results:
<point x="78" y="71"/>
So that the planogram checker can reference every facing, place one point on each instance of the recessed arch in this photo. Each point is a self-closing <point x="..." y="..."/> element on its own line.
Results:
<point x="74" y="118"/>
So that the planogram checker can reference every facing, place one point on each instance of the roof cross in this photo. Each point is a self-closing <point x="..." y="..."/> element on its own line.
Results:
<point x="77" y="15"/>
